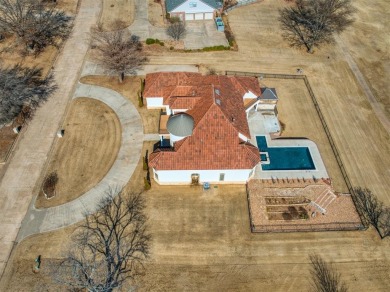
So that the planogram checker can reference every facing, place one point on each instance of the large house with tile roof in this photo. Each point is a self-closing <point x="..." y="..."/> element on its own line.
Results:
<point x="203" y="127"/>
<point x="193" y="9"/>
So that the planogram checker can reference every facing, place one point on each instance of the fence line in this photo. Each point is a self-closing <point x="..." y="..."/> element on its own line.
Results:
<point x="319" y="112"/>
<point x="337" y="226"/>
<point x="242" y="3"/>
<point x="325" y="127"/>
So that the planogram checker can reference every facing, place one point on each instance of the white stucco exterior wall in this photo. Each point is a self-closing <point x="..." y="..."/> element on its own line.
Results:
<point x="174" y="138"/>
<point x="249" y="94"/>
<point x="211" y="176"/>
<point x="200" y="7"/>
<point x="154" y="102"/>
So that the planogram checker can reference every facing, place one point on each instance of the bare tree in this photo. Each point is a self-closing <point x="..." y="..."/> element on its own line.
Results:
<point x="36" y="24"/>
<point x="176" y="30"/>
<point x="324" y="277"/>
<point x="118" y="52"/>
<point x="372" y="211"/>
<point x="110" y="246"/>
<point x="22" y="87"/>
<point x="385" y="223"/>
<point x="311" y="23"/>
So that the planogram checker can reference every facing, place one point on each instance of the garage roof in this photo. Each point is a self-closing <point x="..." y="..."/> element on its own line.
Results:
<point x="172" y="4"/>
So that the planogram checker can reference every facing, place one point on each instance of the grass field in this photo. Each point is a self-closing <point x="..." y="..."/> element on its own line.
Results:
<point x="201" y="241"/>
<point x="117" y="14"/>
<point x="129" y="89"/>
<point x="86" y="152"/>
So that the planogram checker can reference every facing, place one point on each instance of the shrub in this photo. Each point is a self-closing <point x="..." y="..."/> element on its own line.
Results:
<point x="174" y="19"/>
<point x="171" y="48"/>
<point x="144" y="164"/>
<point x="176" y="30"/>
<point x="49" y="185"/>
<point x="216" y="48"/>
<point x="159" y="42"/>
<point x="147" y="185"/>
<point x="140" y="99"/>
<point x="150" y="41"/>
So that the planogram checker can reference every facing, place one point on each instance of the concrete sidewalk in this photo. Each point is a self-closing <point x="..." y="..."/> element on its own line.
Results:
<point x="29" y="157"/>
<point x="44" y="220"/>
<point x="91" y="68"/>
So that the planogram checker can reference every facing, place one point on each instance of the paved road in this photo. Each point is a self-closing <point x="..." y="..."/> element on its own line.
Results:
<point x="37" y="221"/>
<point x="30" y="155"/>
<point x="376" y="106"/>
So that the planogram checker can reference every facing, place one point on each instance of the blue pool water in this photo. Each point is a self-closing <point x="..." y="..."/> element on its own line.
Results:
<point x="285" y="158"/>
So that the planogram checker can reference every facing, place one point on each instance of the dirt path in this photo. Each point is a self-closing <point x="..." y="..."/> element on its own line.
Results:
<point x="29" y="157"/>
<point x="376" y="106"/>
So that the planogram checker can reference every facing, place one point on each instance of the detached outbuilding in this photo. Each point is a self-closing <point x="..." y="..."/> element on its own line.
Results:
<point x="193" y="9"/>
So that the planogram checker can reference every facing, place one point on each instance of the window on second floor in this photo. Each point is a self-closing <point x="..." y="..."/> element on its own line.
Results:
<point x="193" y="4"/>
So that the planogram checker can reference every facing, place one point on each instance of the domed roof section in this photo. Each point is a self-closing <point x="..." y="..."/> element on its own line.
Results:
<point x="180" y="125"/>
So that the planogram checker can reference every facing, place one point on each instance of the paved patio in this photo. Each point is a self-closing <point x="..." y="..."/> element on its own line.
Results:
<point x="340" y="214"/>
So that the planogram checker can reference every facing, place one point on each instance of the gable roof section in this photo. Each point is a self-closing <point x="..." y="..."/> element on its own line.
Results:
<point x="214" y="144"/>
<point x="173" y="4"/>
<point x="177" y="89"/>
<point x="268" y="93"/>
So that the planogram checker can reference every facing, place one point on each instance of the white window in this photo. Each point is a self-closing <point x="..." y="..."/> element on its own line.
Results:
<point x="193" y="4"/>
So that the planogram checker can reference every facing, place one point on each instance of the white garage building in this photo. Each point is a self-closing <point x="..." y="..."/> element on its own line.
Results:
<point x="193" y="9"/>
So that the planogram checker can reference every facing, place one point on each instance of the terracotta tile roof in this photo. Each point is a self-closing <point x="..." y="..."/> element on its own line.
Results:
<point x="183" y="102"/>
<point x="249" y="84"/>
<point x="214" y="144"/>
<point x="219" y="116"/>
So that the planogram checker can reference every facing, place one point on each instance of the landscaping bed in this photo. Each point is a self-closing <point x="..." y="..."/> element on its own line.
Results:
<point x="289" y="213"/>
<point x="286" y="200"/>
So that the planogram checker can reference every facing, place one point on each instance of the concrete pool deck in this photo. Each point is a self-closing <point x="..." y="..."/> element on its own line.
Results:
<point x="257" y="128"/>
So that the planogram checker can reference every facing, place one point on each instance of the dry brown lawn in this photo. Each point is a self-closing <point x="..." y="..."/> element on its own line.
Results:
<point x="363" y="143"/>
<point x="201" y="241"/>
<point x="86" y="152"/>
<point x="369" y="43"/>
<point x="7" y="139"/>
<point x="155" y="14"/>
<point x="117" y="14"/>
<point x="129" y="89"/>
<point x="297" y="112"/>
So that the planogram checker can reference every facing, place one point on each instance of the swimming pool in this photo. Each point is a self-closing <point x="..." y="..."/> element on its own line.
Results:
<point x="285" y="158"/>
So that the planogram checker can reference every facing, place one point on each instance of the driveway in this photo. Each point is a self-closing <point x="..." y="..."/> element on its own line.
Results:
<point x="29" y="156"/>
<point x="37" y="221"/>
<point x="200" y="34"/>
